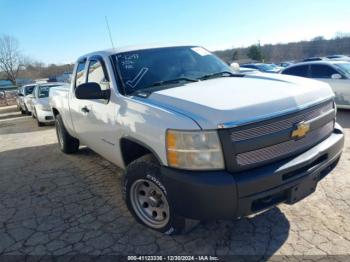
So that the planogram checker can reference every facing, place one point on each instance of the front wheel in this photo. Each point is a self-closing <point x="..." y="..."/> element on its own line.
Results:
<point x="67" y="143"/>
<point x="26" y="111"/>
<point x="40" y="124"/>
<point x="147" y="199"/>
<point x="34" y="113"/>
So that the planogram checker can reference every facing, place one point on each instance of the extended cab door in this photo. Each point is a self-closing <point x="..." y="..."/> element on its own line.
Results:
<point x="94" y="119"/>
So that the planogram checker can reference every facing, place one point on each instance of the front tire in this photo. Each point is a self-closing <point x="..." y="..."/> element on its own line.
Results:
<point x="34" y="114"/>
<point x="26" y="111"/>
<point x="40" y="124"/>
<point x="66" y="142"/>
<point x="147" y="199"/>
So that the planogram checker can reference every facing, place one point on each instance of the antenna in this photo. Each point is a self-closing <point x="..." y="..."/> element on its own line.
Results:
<point x="109" y="32"/>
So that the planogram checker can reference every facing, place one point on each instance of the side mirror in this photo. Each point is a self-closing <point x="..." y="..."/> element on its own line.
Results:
<point x="91" y="90"/>
<point x="336" y="76"/>
<point x="20" y="94"/>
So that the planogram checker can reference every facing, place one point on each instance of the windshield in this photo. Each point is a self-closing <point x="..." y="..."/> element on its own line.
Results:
<point x="143" y="68"/>
<point x="44" y="90"/>
<point x="28" y="90"/>
<point x="344" y="67"/>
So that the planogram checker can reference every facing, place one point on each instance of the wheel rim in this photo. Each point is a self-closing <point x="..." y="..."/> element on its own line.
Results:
<point x="59" y="134"/>
<point x="149" y="203"/>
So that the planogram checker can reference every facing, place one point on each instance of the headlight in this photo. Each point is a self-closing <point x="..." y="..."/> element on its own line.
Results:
<point x="195" y="150"/>
<point x="44" y="107"/>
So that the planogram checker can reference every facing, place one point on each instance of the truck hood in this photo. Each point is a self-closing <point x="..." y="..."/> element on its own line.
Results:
<point x="233" y="101"/>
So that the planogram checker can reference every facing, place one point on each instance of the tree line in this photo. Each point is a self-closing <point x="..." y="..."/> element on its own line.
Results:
<point x="275" y="53"/>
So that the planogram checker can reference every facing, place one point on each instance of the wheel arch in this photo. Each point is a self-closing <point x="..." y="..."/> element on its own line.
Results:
<point x="132" y="149"/>
<point x="55" y="112"/>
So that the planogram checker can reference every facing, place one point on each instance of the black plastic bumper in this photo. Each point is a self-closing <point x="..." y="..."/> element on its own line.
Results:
<point x="223" y="195"/>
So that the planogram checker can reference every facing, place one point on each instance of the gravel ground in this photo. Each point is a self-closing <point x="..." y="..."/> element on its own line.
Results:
<point x="55" y="204"/>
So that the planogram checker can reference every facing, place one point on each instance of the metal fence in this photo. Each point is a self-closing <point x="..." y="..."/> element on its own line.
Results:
<point x="8" y="98"/>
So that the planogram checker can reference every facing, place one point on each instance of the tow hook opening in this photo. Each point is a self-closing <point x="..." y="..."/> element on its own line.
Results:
<point x="267" y="201"/>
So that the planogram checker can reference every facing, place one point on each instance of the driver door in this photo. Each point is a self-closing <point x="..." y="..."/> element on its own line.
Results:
<point x="94" y="119"/>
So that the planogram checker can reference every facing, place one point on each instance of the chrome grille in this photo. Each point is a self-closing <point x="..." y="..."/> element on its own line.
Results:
<point x="277" y="126"/>
<point x="285" y="148"/>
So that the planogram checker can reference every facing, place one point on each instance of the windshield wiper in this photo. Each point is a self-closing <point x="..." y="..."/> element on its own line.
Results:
<point x="176" y="80"/>
<point x="220" y="74"/>
<point x="144" y="92"/>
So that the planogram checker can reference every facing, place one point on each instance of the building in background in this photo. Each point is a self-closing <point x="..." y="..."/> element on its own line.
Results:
<point x="65" y="77"/>
<point x="23" y="81"/>
<point x="6" y="85"/>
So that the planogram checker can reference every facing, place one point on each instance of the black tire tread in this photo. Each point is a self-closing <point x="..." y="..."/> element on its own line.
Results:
<point x="70" y="144"/>
<point x="149" y="163"/>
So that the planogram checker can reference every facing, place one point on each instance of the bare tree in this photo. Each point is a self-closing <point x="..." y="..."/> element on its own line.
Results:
<point x="11" y="58"/>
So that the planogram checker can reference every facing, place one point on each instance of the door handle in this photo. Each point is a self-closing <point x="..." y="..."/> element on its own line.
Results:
<point x="85" y="109"/>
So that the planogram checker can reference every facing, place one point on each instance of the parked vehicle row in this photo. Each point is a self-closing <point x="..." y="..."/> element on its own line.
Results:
<point x="34" y="100"/>
<point x="327" y="58"/>
<point x="265" y="68"/>
<point x="197" y="140"/>
<point x="273" y="68"/>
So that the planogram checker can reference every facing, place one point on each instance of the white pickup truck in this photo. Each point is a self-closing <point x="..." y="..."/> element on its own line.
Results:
<point x="195" y="139"/>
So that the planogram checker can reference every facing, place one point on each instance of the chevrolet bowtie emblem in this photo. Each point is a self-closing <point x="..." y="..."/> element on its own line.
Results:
<point x="300" y="130"/>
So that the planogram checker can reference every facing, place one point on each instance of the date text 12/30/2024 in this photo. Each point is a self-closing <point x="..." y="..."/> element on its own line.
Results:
<point x="173" y="258"/>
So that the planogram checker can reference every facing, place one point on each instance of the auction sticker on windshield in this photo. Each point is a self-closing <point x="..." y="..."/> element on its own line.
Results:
<point x="200" y="50"/>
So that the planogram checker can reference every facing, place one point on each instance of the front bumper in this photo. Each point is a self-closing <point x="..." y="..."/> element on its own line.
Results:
<point x="224" y="195"/>
<point x="44" y="116"/>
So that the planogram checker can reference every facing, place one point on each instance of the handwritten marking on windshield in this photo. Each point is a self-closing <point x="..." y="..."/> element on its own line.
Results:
<point x="133" y="83"/>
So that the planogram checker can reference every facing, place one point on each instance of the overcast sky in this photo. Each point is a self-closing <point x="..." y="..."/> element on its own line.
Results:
<point x="58" y="31"/>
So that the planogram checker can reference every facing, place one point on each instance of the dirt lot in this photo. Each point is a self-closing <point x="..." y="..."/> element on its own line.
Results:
<point x="51" y="203"/>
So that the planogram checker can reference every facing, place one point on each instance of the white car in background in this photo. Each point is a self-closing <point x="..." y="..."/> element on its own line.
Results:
<point x="39" y="103"/>
<point x="335" y="73"/>
<point x="24" y="96"/>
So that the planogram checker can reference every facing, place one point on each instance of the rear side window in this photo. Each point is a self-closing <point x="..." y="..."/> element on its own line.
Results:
<point x="297" y="71"/>
<point x="97" y="73"/>
<point x="79" y="76"/>
<point x="322" y="71"/>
